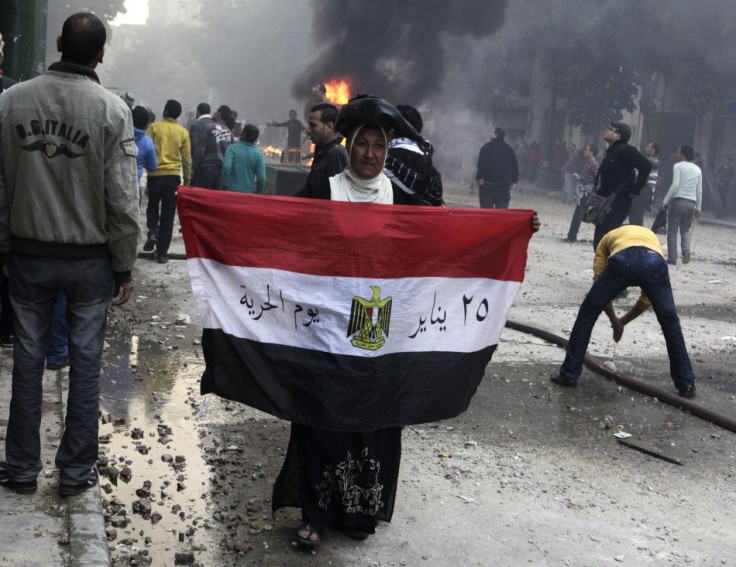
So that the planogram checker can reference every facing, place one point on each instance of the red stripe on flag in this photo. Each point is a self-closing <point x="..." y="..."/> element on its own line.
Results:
<point x="331" y="238"/>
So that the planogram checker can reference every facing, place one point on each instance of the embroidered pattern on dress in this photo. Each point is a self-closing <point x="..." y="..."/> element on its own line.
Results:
<point x="355" y="483"/>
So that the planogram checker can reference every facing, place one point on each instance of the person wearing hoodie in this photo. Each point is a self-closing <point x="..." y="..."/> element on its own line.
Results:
<point x="146" y="150"/>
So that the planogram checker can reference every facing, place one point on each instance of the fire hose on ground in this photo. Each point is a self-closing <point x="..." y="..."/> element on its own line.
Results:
<point x="597" y="365"/>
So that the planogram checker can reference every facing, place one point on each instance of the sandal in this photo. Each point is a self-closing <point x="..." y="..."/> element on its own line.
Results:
<point x="312" y="539"/>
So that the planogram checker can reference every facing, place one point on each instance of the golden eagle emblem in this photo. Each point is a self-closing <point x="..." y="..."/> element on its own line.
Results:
<point x="370" y="319"/>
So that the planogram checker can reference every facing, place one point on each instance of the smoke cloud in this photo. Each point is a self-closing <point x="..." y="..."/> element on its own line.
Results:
<point x="392" y="49"/>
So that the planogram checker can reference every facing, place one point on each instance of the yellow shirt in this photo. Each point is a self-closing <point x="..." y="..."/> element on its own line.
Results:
<point x="173" y="149"/>
<point x="621" y="238"/>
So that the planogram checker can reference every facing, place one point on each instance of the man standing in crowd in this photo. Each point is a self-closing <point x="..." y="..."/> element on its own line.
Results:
<point x="568" y="172"/>
<point x="409" y="168"/>
<point x="585" y="181"/>
<point x="330" y="156"/>
<point x="6" y="309"/>
<point x="244" y="169"/>
<point x="146" y="158"/>
<point x="643" y="202"/>
<point x="624" y="171"/>
<point x="173" y="149"/>
<point x="210" y="138"/>
<point x="319" y="96"/>
<point x="629" y="256"/>
<point x="682" y="203"/>
<point x="498" y="172"/>
<point x="294" y="129"/>
<point x="68" y="222"/>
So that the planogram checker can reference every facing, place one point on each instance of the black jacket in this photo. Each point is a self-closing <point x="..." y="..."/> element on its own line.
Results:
<point x="413" y="175"/>
<point x="497" y="164"/>
<point x="619" y="166"/>
<point x="329" y="160"/>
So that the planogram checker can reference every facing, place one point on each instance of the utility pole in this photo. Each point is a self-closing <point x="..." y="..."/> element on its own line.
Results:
<point x="24" y="31"/>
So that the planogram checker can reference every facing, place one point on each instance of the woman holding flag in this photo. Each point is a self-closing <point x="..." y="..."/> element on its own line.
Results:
<point x="348" y="479"/>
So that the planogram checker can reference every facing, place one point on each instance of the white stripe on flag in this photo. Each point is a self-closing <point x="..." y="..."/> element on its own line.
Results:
<point x="314" y="312"/>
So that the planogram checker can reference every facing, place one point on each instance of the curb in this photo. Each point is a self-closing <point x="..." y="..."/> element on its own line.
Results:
<point x="87" y="538"/>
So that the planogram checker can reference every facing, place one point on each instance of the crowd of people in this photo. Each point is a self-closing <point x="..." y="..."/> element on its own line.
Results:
<point x="83" y="167"/>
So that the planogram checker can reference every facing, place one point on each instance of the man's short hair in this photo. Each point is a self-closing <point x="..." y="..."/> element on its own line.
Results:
<point x="172" y="108"/>
<point x="203" y="108"/>
<point x="623" y="129"/>
<point x="250" y="133"/>
<point x="593" y="149"/>
<point x="499" y="132"/>
<point x="292" y="111"/>
<point x="412" y="116"/>
<point x="328" y="112"/>
<point x="140" y="117"/>
<point x="655" y="147"/>
<point x="687" y="152"/>
<point x="82" y="37"/>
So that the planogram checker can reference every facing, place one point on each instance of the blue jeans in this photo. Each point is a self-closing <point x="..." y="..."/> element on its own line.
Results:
<point x="636" y="266"/>
<point x="58" y="350"/>
<point x="34" y="286"/>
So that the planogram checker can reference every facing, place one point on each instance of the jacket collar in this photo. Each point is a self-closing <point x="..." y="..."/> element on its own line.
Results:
<point x="66" y="67"/>
<point x="616" y="144"/>
<point x="328" y="145"/>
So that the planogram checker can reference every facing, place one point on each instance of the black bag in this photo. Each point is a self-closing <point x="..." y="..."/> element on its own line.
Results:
<point x="660" y="222"/>
<point x="597" y="208"/>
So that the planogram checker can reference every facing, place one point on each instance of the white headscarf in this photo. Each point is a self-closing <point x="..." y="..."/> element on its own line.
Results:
<point x="347" y="186"/>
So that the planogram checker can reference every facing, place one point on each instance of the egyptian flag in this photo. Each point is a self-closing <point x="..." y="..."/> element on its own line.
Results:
<point x="349" y="316"/>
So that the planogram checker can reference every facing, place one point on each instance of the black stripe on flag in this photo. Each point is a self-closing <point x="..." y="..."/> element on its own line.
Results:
<point x="306" y="386"/>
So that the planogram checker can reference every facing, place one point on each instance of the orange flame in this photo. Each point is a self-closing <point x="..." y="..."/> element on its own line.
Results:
<point x="271" y="151"/>
<point x="338" y="91"/>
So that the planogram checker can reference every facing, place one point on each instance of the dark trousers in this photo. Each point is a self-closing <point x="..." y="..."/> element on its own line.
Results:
<point x="636" y="266"/>
<point x="34" y="288"/>
<point x="494" y="196"/>
<point x="639" y="206"/>
<point x="619" y="212"/>
<point x="161" y="193"/>
<point x="207" y="177"/>
<point x="6" y="308"/>
<point x="58" y="349"/>
<point x="577" y="217"/>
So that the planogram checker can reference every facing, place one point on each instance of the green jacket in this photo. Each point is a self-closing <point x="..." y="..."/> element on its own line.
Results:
<point x="68" y="181"/>
<point x="244" y="169"/>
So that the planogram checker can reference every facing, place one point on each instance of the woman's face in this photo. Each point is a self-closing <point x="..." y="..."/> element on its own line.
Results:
<point x="368" y="152"/>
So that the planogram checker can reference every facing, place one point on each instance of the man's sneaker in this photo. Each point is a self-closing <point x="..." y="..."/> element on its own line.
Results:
<point x="686" y="257"/>
<point x="28" y="487"/>
<point x="57" y="365"/>
<point x="150" y="244"/>
<point x="74" y="489"/>
<point x="6" y="341"/>
<point x="162" y="258"/>
<point x="687" y="392"/>
<point x="563" y="380"/>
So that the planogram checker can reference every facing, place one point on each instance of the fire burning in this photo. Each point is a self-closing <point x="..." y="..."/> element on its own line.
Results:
<point x="338" y="91"/>
<point x="271" y="151"/>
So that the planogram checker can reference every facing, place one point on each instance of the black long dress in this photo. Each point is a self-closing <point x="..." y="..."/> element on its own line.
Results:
<point x="345" y="479"/>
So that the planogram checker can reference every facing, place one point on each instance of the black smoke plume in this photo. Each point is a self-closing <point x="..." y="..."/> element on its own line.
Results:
<point x="392" y="48"/>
